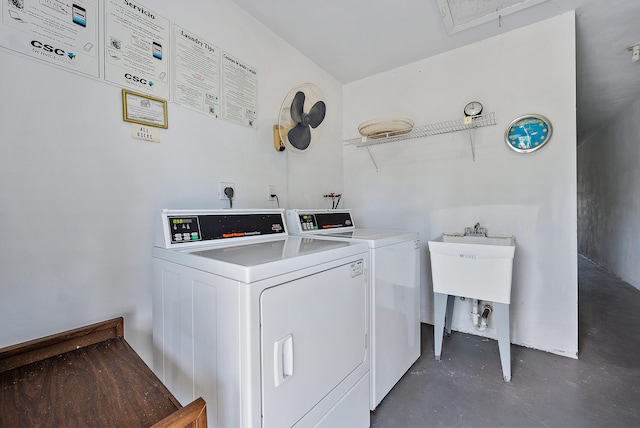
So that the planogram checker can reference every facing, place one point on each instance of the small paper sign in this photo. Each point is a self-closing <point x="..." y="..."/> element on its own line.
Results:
<point x="146" y="133"/>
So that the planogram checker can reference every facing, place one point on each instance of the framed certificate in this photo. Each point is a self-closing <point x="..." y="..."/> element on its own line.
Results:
<point x="144" y="110"/>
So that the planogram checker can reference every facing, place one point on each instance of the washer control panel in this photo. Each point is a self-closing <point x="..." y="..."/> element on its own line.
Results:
<point x="184" y="227"/>
<point x="302" y="221"/>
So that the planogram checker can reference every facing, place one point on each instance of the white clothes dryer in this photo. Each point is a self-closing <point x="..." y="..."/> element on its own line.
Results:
<point x="394" y="290"/>
<point x="269" y="329"/>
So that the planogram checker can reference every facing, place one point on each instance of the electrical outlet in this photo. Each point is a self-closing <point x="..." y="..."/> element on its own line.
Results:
<point x="272" y="191"/>
<point x="221" y="186"/>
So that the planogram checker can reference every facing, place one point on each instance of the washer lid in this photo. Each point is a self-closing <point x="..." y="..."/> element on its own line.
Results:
<point x="373" y="237"/>
<point x="261" y="260"/>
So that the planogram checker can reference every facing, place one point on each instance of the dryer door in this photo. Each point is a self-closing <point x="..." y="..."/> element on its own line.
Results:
<point x="312" y="337"/>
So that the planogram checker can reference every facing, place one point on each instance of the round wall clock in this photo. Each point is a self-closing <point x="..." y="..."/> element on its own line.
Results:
<point x="474" y="108"/>
<point x="528" y="133"/>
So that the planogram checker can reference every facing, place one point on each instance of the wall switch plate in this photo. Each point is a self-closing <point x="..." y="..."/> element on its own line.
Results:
<point x="272" y="191"/>
<point x="221" y="186"/>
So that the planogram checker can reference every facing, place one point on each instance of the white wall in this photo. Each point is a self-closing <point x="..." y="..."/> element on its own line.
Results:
<point x="433" y="185"/>
<point x="80" y="197"/>
<point x="609" y="196"/>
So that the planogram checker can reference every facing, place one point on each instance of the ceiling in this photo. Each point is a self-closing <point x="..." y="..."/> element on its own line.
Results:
<point x="354" y="39"/>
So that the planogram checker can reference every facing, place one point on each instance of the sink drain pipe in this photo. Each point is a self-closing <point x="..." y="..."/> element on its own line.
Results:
<point x="480" y="320"/>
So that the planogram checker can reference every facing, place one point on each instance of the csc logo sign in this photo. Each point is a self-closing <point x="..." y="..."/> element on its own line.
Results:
<point x="48" y="48"/>
<point x="137" y="79"/>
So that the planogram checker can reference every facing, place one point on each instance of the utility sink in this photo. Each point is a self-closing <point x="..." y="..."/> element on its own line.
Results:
<point x="478" y="267"/>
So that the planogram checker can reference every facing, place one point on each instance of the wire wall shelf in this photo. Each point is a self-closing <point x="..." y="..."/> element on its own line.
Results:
<point x="427" y="130"/>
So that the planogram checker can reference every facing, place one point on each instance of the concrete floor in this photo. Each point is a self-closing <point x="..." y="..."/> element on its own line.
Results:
<point x="465" y="389"/>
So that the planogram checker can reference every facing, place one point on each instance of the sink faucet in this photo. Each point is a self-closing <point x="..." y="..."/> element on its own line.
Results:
<point x="476" y="230"/>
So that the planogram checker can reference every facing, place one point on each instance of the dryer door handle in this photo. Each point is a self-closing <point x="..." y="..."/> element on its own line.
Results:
<point x="283" y="359"/>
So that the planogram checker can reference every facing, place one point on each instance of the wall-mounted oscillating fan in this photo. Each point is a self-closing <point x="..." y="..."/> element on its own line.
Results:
<point x="301" y="117"/>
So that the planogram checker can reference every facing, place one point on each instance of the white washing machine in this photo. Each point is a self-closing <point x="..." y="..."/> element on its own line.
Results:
<point x="269" y="329"/>
<point x="394" y="290"/>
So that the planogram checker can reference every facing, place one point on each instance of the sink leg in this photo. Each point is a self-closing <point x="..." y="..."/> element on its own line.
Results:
<point x="501" y="317"/>
<point x="439" y="309"/>
<point x="449" y="316"/>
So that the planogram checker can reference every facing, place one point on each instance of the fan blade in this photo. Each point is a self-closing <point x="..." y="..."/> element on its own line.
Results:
<point x="316" y="114"/>
<point x="296" y="107"/>
<point x="300" y="136"/>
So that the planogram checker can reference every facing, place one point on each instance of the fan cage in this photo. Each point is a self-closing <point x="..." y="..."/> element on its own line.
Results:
<point x="313" y="94"/>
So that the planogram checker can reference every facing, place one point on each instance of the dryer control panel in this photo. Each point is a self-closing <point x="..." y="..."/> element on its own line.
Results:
<point x="308" y="221"/>
<point x="193" y="227"/>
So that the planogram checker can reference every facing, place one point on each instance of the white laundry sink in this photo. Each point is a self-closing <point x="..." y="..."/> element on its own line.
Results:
<point x="478" y="267"/>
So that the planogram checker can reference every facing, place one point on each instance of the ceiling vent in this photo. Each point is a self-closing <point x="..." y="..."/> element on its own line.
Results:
<point x="459" y="15"/>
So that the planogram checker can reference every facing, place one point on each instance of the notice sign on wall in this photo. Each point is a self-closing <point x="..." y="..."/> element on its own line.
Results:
<point x="64" y="33"/>
<point x="145" y="133"/>
<point x="240" y="92"/>
<point x="196" y="72"/>
<point x="137" y="48"/>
